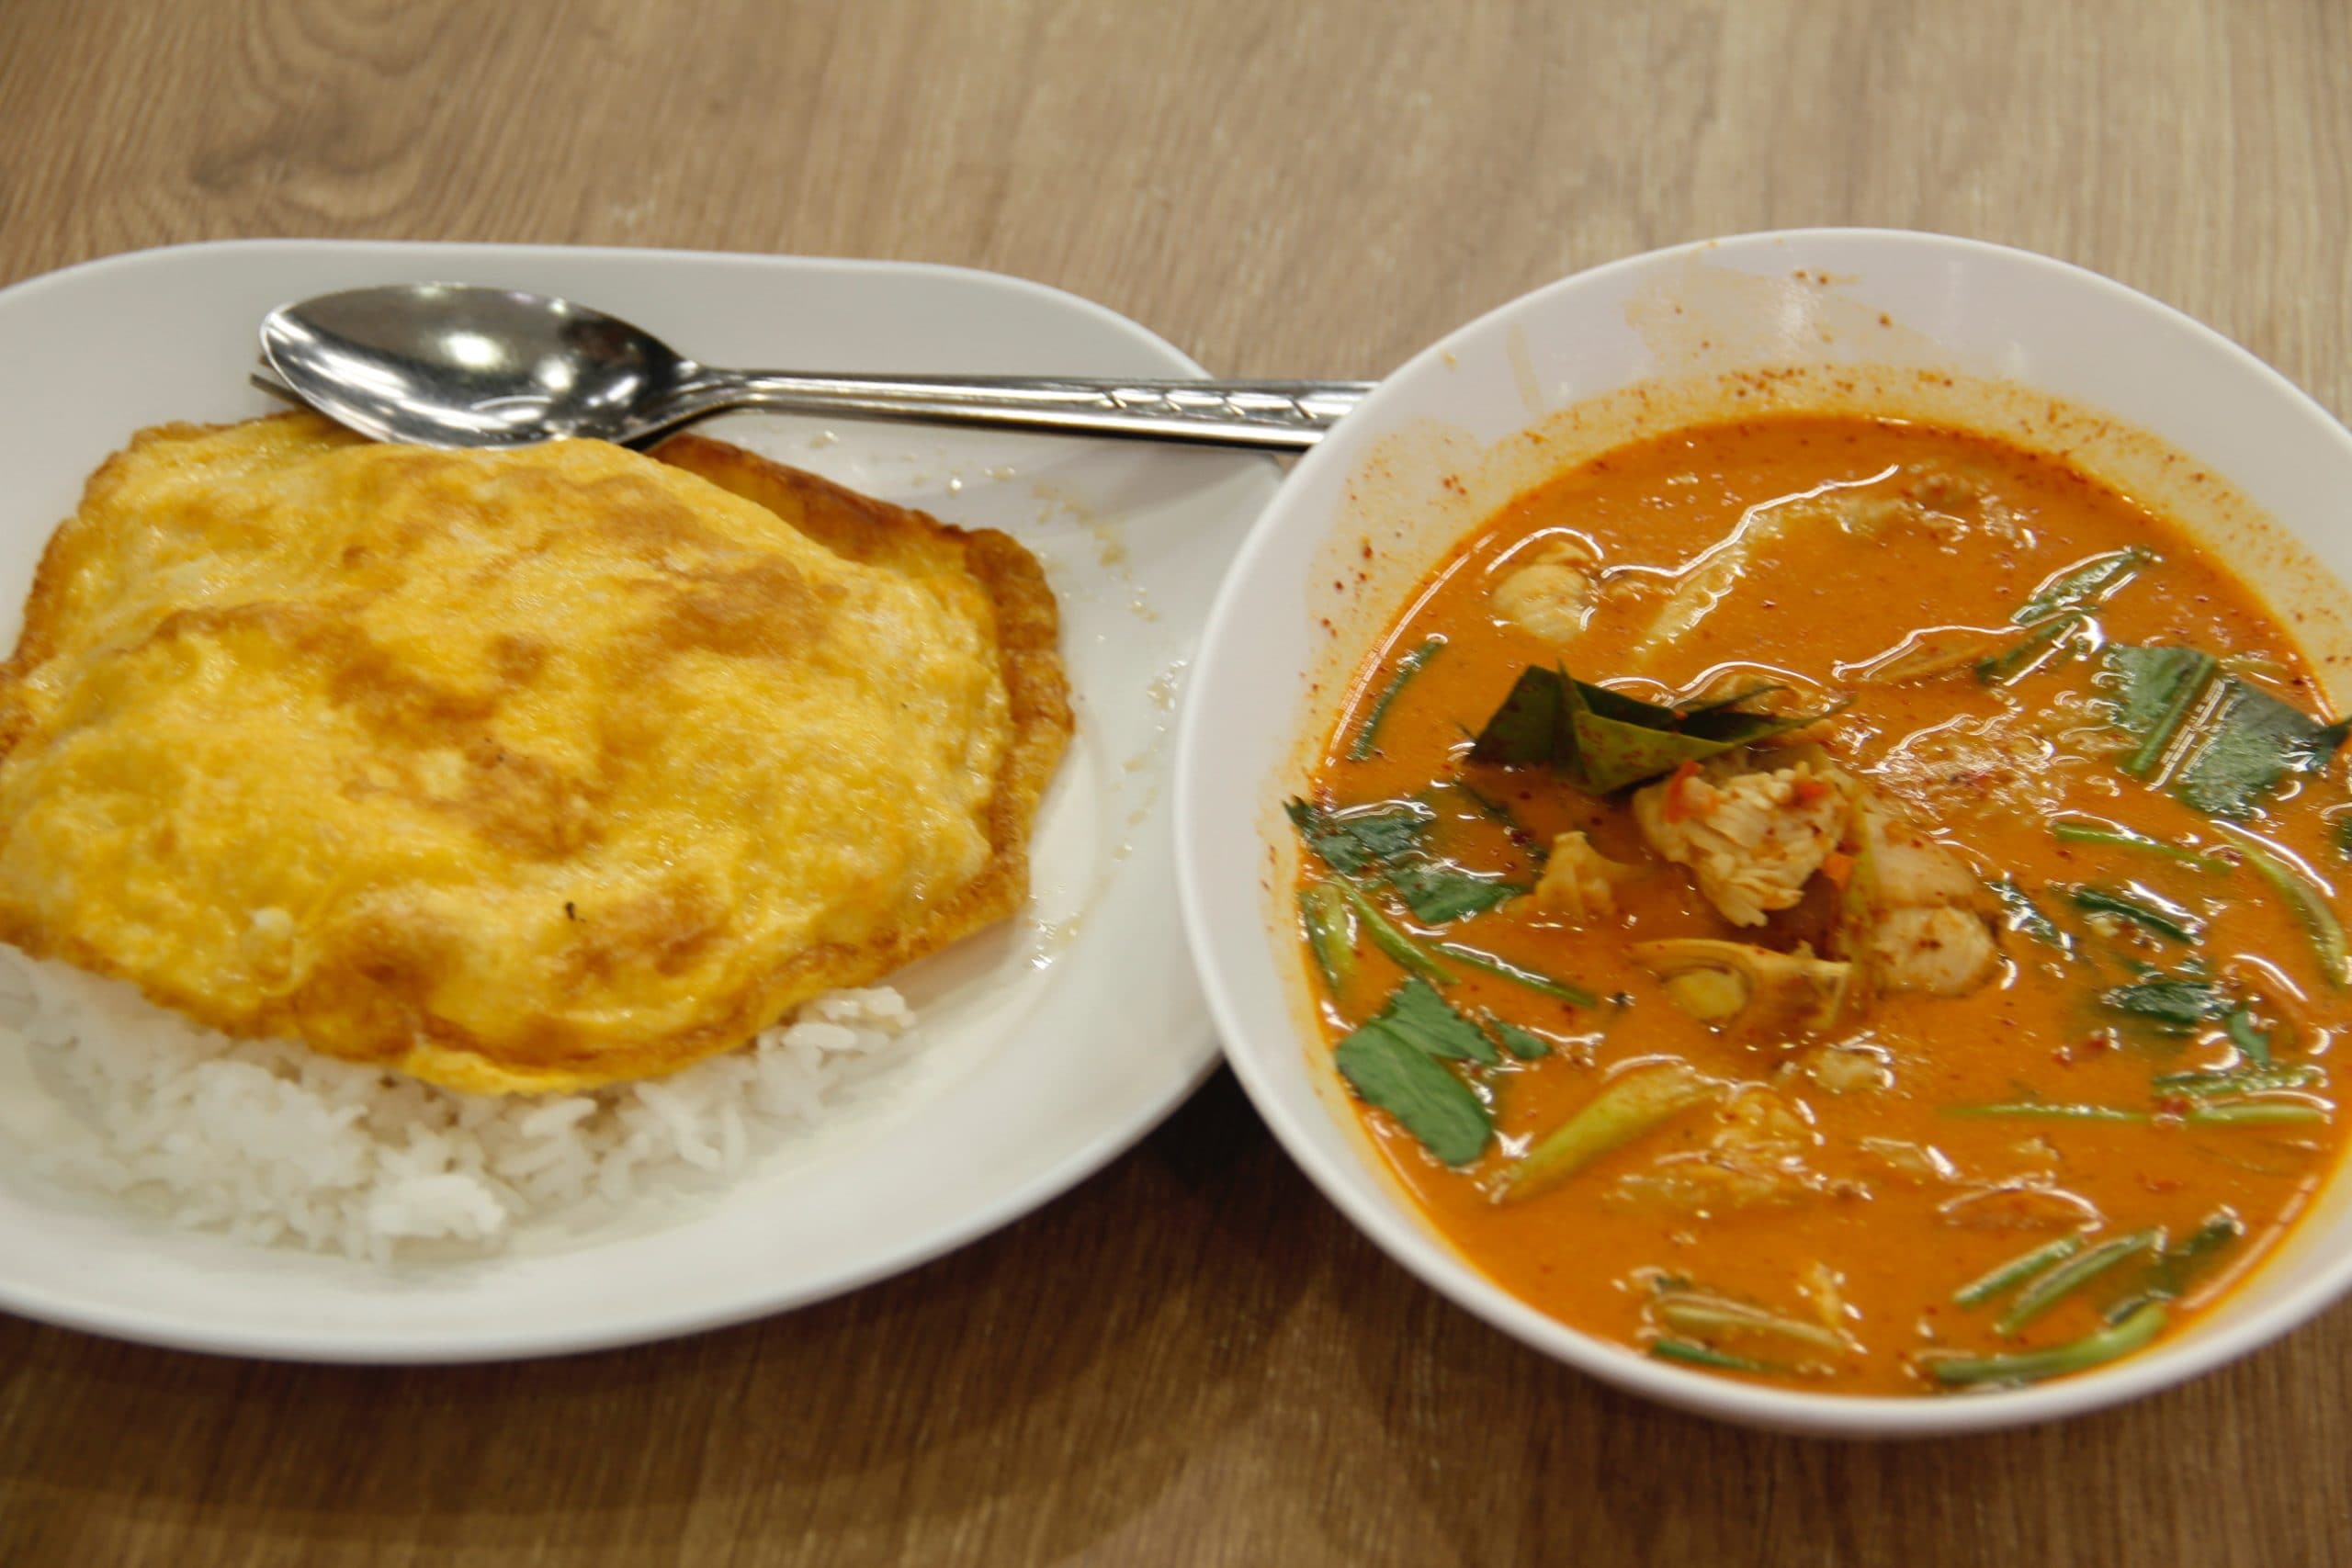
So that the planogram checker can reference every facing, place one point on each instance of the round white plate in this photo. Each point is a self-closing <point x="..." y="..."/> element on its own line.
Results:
<point x="1049" y="1045"/>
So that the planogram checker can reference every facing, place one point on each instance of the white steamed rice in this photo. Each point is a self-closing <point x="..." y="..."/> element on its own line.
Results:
<point x="273" y="1143"/>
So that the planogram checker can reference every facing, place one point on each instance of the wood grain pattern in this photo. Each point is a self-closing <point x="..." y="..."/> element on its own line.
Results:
<point x="1193" y="1358"/>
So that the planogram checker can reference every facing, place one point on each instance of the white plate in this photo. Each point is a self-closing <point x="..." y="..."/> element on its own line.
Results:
<point x="1050" y="1045"/>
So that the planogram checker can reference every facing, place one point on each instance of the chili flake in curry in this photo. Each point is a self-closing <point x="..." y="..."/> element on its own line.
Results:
<point x="1839" y="902"/>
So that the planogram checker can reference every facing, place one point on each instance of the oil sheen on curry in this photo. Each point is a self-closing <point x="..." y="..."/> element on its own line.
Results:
<point x="1839" y="903"/>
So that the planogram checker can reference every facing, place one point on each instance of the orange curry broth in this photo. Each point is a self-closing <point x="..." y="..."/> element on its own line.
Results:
<point x="1811" y="600"/>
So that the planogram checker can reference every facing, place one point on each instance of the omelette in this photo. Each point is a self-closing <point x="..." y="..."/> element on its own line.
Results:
<point x="521" y="771"/>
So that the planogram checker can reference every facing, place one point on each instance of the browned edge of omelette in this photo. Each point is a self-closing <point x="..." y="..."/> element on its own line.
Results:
<point x="876" y="532"/>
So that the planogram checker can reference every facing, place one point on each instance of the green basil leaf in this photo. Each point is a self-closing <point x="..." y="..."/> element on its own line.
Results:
<point x="1361" y="836"/>
<point x="2243" y="741"/>
<point x="1438" y="891"/>
<point x="1524" y="1043"/>
<point x="2087" y="583"/>
<point x="2176" y="1004"/>
<point x="2155" y="690"/>
<point x="1423" y="1094"/>
<point x="2251" y="742"/>
<point x="1418" y="1016"/>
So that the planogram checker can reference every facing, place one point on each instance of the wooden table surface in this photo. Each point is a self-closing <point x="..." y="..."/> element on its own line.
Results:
<point x="1190" y="1359"/>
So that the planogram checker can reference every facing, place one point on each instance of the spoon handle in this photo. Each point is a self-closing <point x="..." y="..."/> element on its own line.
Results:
<point x="1276" y="415"/>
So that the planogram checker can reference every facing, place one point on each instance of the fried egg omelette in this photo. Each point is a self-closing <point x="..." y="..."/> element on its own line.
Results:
<point x="516" y="772"/>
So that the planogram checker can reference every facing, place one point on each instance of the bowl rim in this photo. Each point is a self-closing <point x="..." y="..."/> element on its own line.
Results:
<point x="1350" y="1183"/>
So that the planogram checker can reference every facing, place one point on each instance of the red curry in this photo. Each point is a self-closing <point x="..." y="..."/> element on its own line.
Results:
<point x="1972" y="1034"/>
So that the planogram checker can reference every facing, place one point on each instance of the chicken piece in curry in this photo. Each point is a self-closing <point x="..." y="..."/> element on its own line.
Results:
<point x="1841" y="903"/>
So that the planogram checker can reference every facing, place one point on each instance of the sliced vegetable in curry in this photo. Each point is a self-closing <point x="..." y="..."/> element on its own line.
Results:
<point x="1953" y="842"/>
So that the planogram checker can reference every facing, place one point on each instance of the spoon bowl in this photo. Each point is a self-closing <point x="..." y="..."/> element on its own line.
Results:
<point x="451" y="365"/>
<point x="454" y="365"/>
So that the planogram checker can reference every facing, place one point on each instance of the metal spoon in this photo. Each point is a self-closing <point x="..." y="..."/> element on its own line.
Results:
<point x="452" y="364"/>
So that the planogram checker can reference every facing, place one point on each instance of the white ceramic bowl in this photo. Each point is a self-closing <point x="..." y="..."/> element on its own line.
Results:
<point x="1942" y="328"/>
